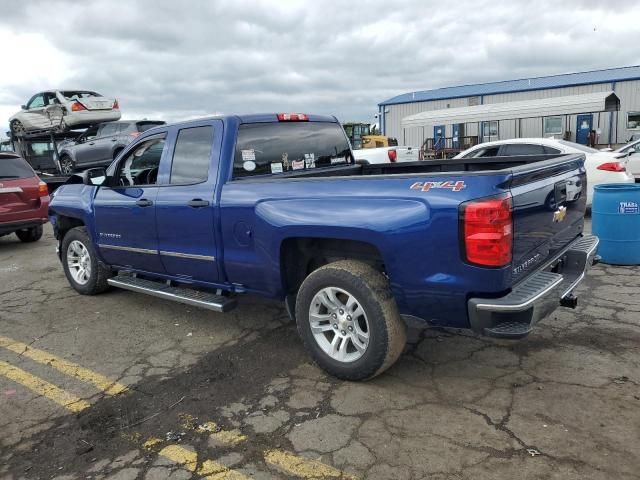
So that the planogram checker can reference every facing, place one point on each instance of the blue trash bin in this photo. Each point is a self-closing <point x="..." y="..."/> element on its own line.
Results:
<point x="615" y="216"/>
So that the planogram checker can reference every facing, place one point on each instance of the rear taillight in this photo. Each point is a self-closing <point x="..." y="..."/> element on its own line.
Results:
<point x="115" y="105"/>
<point x="487" y="231"/>
<point x="612" y="167"/>
<point x="293" y="117"/>
<point x="393" y="155"/>
<point x="43" y="190"/>
<point x="77" y="107"/>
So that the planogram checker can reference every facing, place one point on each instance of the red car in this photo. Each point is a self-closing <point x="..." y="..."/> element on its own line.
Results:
<point x="24" y="199"/>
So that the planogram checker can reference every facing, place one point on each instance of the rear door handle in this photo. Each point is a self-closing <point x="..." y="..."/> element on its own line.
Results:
<point x="198" y="203"/>
<point x="143" y="202"/>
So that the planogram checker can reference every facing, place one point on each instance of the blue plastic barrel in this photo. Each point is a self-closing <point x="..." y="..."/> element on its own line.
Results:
<point x="615" y="216"/>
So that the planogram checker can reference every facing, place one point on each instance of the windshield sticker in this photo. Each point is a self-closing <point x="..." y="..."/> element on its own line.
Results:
<point x="249" y="155"/>
<point x="249" y="166"/>
<point x="629" y="208"/>
<point x="335" y="161"/>
<point x="285" y="161"/>
<point x="297" y="165"/>
<point x="310" y="160"/>
<point x="426" y="186"/>
<point x="276" y="167"/>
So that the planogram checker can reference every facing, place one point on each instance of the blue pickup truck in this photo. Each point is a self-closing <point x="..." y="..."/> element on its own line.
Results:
<point x="275" y="205"/>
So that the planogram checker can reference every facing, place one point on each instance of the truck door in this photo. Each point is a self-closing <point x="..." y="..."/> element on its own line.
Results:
<point x="187" y="210"/>
<point x="125" y="214"/>
<point x="583" y="128"/>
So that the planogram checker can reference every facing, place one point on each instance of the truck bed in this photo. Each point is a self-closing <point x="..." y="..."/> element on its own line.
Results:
<point x="423" y="167"/>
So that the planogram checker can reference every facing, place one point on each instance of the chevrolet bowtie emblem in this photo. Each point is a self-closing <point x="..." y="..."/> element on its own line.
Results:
<point x="559" y="214"/>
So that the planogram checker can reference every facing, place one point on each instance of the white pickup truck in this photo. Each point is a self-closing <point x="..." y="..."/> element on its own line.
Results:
<point x="387" y="154"/>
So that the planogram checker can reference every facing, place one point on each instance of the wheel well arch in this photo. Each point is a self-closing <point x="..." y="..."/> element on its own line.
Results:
<point x="64" y="224"/>
<point x="300" y="256"/>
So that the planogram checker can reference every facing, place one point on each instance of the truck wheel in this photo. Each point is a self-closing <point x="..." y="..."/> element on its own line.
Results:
<point x="17" y="128"/>
<point x="66" y="165"/>
<point x="349" y="321"/>
<point x="28" y="235"/>
<point x="81" y="266"/>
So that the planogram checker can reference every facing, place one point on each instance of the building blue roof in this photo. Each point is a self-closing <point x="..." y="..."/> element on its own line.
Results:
<point x="521" y="85"/>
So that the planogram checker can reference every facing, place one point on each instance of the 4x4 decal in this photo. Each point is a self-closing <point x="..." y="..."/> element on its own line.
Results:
<point x="426" y="186"/>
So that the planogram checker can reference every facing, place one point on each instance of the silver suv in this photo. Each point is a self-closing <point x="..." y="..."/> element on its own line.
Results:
<point x="101" y="143"/>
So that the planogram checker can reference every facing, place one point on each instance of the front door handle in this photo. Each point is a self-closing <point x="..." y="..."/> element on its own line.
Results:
<point x="92" y="143"/>
<point x="198" y="203"/>
<point x="143" y="202"/>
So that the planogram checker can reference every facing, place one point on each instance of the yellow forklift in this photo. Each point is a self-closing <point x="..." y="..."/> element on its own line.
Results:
<point x="361" y="135"/>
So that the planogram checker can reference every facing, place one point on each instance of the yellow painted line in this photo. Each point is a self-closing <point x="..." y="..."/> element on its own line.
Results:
<point x="72" y="369"/>
<point x="302" y="467"/>
<point x="228" y="437"/>
<point x="41" y="387"/>
<point x="151" y="443"/>
<point x="222" y="437"/>
<point x="208" y="468"/>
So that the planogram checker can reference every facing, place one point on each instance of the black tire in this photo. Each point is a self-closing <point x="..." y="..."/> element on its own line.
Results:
<point x="99" y="273"/>
<point x="67" y="166"/>
<point x="17" y="128"/>
<point x="387" y="331"/>
<point x="29" y="235"/>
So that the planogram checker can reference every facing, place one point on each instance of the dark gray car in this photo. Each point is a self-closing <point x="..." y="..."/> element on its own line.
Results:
<point x="101" y="143"/>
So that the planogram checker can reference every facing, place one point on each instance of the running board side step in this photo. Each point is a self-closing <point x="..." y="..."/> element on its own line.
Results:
<point x="196" y="298"/>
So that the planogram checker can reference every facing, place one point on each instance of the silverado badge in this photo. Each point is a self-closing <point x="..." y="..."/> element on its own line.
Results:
<point x="559" y="214"/>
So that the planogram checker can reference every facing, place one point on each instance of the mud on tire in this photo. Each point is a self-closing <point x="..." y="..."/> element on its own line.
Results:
<point x="370" y="289"/>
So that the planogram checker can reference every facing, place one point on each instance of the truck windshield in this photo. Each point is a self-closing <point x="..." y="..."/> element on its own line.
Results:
<point x="271" y="148"/>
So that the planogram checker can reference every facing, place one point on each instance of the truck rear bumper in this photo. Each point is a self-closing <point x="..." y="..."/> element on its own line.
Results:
<point x="6" y="228"/>
<point x="515" y="314"/>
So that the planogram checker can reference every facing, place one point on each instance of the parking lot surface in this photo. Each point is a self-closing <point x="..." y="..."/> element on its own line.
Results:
<point x="125" y="386"/>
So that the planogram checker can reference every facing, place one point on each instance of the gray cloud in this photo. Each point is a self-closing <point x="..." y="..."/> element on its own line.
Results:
<point x="177" y="59"/>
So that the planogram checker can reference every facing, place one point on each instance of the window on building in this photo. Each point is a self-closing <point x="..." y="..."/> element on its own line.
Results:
<point x="490" y="131"/>
<point x="553" y="125"/>
<point x="633" y="121"/>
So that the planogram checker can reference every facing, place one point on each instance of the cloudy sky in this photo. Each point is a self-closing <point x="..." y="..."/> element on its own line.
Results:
<point x="173" y="59"/>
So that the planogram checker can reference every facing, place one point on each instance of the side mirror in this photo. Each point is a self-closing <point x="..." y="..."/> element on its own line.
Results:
<point x="23" y="107"/>
<point x="94" y="176"/>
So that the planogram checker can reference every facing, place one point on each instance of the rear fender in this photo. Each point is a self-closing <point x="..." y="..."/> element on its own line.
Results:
<point x="392" y="225"/>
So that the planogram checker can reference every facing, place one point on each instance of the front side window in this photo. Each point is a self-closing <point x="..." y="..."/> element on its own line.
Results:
<point x="489" y="131"/>
<point x="191" y="155"/>
<point x="274" y="148"/>
<point x="89" y="134"/>
<point x="483" y="152"/>
<point x="36" y="101"/>
<point x="140" y="166"/>
<point x="553" y="125"/>
<point x="633" y="120"/>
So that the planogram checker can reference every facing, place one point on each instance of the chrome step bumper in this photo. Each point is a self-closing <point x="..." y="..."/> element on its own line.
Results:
<point x="515" y="314"/>
<point x="196" y="298"/>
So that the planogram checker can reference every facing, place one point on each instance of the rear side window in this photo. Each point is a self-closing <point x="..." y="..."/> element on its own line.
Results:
<point x="191" y="155"/>
<point x="266" y="148"/>
<point x="551" y="150"/>
<point x="523" y="149"/>
<point x="108" y="129"/>
<point x="14" y="167"/>
<point x="144" y="126"/>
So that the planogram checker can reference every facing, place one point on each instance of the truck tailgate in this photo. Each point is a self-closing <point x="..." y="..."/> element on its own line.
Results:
<point x="549" y="201"/>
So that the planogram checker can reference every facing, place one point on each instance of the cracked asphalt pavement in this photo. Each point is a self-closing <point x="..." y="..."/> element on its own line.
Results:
<point x="235" y="396"/>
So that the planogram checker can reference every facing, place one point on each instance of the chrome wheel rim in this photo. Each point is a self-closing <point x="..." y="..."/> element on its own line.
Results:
<point x="67" y="166"/>
<point x="17" y="127"/>
<point x="339" y="324"/>
<point x="79" y="262"/>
